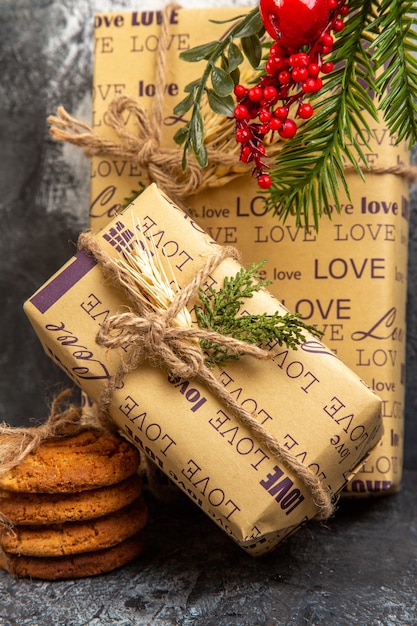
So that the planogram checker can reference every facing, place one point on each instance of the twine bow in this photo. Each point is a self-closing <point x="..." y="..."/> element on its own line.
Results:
<point x="153" y="335"/>
<point x="143" y="147"/>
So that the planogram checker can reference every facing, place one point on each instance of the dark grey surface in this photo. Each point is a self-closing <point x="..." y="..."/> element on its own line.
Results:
<point x="361" y="570"/>
<point x="358" y="570"/>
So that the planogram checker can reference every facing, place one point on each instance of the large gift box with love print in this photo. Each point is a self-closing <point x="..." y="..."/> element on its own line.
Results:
<point x="324" y="418"/>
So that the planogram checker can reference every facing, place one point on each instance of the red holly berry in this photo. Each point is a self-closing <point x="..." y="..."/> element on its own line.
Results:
<point x="264" y="181"/>
<point x="326" y="68"/>
<point x="277" y="50"/>
<point x="288" y="130"/>
<point x="313" y="70"/>
<point x="299" y="74"/>
<point x="241" y="112"/>
<point x="270" y="93"/>
<point x="294" y="23"/>
<point x="305" y="111"/>
<point x="243" y="135"/>
<point x="275" y="124"/>
<point x="265" y="115"/>
<point x="284" y="77"/>
<point x="240" y="91"/>
<point x="309" y="85"/>
<point x="273" y="64"/>
<point x="327" y="41"/>
<point x="246" y="154"/>
<point x="255" y="94"/>
<point x="281" y="112"/>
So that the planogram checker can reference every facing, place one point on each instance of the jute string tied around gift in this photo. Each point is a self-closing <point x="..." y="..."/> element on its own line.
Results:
<point x="153" y="335"/>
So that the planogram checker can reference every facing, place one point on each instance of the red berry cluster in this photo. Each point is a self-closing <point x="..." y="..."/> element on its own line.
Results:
<point x="291" y="73"/>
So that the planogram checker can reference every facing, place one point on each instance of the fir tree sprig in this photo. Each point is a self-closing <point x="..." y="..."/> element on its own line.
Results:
<point x="220" y="311"/>
<point x="394" y="52"/>
<point x="134" y="193"/>
<point x="375" y="58"/>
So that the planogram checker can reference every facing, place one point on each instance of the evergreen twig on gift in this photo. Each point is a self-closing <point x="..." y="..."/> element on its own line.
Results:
<point x="150" y="281"/>
<point x="370" y="66"/>
<point x="221" y="311"/>
<point x="395" y="51"/>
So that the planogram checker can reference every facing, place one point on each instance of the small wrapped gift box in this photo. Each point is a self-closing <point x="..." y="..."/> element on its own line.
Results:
<point x="261" y="445"/>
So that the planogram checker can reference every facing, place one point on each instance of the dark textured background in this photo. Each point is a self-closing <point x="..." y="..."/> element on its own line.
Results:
<point x="360" y="570"/>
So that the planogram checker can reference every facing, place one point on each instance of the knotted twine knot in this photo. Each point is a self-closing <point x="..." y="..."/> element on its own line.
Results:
<point x="154" y="335"/>
<point x="143" y="147"/>
<point x="163" y="345"/>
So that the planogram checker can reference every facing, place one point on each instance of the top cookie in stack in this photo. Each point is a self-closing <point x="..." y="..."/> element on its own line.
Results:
<point x="74" y="507"/>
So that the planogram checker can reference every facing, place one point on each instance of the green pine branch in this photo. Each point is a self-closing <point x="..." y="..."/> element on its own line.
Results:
<point x="395" y="55"/>
<point x="219" y="311"/>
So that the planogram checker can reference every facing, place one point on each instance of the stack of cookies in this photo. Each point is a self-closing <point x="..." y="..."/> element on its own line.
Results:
<point x="73" y="508"/>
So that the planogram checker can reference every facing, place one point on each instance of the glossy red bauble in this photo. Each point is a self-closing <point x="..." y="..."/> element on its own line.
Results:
<point x="295" y="23"/>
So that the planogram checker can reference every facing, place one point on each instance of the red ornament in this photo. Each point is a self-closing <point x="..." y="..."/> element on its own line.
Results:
<point x="295" y="23"/>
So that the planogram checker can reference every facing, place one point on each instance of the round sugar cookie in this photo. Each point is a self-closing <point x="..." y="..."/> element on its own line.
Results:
<point x="88" y="460"/>
<point x="75" y="537"/>
<point x="45" y="508"/>
<point x="76" y="565"/>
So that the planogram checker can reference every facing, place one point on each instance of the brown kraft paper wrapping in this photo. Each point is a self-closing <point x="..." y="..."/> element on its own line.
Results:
<point x="308" y="399"/>
<point x="349" y="279"/>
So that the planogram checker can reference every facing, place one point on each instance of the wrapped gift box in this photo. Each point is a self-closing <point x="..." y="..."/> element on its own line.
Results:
<point x="316" y="407"/>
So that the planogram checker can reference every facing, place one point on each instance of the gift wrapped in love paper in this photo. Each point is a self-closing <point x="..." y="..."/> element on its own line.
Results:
<point x="262" y="443"/>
